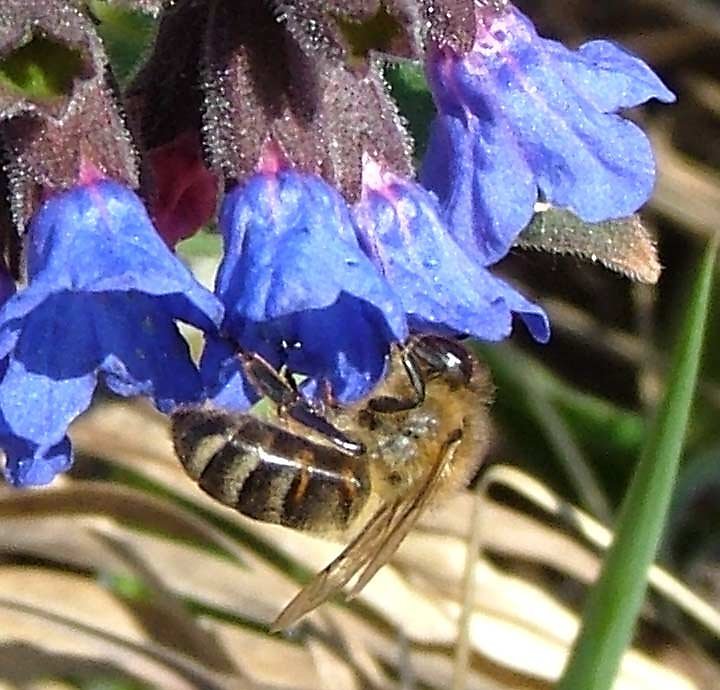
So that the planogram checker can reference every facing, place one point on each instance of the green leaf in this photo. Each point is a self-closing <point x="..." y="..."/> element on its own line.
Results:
<point x="410" y="91"/>
<point x="615" y="600"/>
<point x="623" y="245"/>
<point x="201" y="245"/>
<point x="42" y="69"/>
<point x="374" y="33"/>
<point x="128" y="587"/>
<point x="127" y="36"/>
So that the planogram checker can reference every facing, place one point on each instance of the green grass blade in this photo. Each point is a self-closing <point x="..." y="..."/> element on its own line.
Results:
<point x="614" y="602"/>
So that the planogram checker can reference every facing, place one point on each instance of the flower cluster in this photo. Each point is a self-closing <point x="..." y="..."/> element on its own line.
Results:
<point x="333" y="249"/>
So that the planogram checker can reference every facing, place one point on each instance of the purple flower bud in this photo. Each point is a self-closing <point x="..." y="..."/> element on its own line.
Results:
<point x="184" y="191"/>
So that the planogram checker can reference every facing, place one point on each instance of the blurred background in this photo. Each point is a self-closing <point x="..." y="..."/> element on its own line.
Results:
<point x="124" y="576"/>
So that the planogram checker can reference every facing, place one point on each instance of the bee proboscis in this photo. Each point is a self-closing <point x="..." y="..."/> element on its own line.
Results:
<point x="423" y="432"/>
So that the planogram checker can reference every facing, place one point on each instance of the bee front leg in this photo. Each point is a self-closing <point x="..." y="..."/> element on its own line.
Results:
<point x="388" y="404"/>
<point x="291" y="403"/>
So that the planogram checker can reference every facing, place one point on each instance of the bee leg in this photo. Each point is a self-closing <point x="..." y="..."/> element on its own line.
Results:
<point x="291" y="403"/>
<point x="267" y="381"/>
<point x="426" y="358"/>
<point x="289" y="379"/>
<point x="319" y="405"/>
<point x="327" y="400"/>
<point x="388" y="404"/>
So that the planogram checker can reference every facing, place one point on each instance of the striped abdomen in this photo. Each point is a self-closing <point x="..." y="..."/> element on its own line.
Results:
<point x="268" y="473"/>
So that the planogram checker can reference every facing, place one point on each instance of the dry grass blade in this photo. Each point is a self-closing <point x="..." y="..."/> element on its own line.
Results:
<point x="334" y="673"/>
<point x="84" y="543"/>
<point x="62" y="540"/>
<point x="249" y="592"/>
<point x="685" y="191"/>
<point x="514" y="622"/>
<point x="472" y="552"/>
<point x="519" y="635"/>
<point x="60" y="624"/>
<point x="594" y="532"/>
<point x="113" y="500"/>
<point x="168" y="620"/>
<point x="259" y="654"/>
<point x="428" y="665"/>
<point x="515" y="534"/>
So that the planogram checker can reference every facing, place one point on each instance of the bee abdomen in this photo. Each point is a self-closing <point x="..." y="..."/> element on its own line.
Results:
<point x="270" y="474"/>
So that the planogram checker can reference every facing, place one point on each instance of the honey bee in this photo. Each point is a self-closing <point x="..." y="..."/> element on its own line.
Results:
<point x="377" y="463"/>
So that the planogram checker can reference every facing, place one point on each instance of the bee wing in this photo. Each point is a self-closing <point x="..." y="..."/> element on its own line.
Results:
<point x="338" y="573"/>
<point x="372" y="548"/>
<point x="409" y="510"/>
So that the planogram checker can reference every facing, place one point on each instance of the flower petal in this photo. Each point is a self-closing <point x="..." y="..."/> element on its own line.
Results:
<point x="486" y="188"/>
<point x="297" y="287"/>
<point x="440" y="286"/>
<point x="540" y="116"/>
<point x="38" y="407"/>
<point x="28" y="465"/>
<point x="609" y="77"/>
<point x="63" y="330"/>
<point x="142" y="350"/>
<point x="52" y="371"/>
<point x="345" y="346"/>
<point x="222" y="373"/>
<point x="290" y="246"/>
<point x="98" y="238"/>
